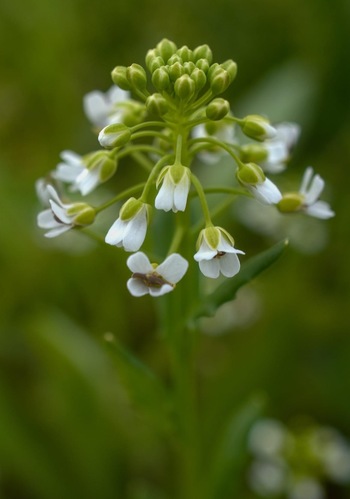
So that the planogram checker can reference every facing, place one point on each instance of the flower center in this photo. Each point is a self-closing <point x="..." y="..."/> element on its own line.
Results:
<point x="219" y="254"/>
<point x="152" y="280"/>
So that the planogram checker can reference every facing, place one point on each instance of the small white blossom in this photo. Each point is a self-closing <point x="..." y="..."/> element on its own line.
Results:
<point x="174" y="191"/>
<point x="155" y="280"/>
<point x="129" y="230"/>
<point x="84" y="174"/>
<point x="217" y="253"/>
<point x="252" y="177"/>
<point x="278" y="149"/>
<point x="61" y="217"/>
<point x="102" y="109"/>
<point x="311" y="189"/>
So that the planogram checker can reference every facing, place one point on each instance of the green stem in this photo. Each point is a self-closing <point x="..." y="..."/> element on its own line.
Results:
<point x="153" y="175"/>
<point x="127" y="193"/>
<point x="218" y="143"/>
<point x="202" y="199"/>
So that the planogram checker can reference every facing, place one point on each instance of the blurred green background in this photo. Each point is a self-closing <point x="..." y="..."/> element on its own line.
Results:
<point x="68" y="427"/>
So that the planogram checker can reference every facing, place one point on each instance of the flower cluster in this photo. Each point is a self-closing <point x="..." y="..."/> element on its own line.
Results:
<point x="168" y="117"/>
<point x="296" y="463"/>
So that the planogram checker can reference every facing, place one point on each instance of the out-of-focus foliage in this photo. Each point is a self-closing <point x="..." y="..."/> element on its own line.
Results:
<point x="69" y="424"/>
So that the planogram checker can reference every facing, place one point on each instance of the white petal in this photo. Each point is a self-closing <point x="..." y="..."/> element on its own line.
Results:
<point x="306" y="180"/>
<point x="320" y="209"/>
<point x="181" y="194"/>
<point x="288" y="133"/>
<point x="270" y="131"/>
<point x="173" y="268"/>
<point x="135" y="231"/>
<point x="267" y="192"/>
<point x="71" y="158"/>
<point x="57" y="232"/>
<point x="46" y="220"/>
<point x="137" y="287"/>
<point x="210" y="268"/>
<point x="88" y="180"/>
<point x="67" y="173"/>
<point x="96" y="107"/>
<point x="116" y="95"/>
<point x="229" y="264"/>
<point x="166" y="288"/>
<point x="60" y="213"/>
<point x="139" y="263"/>
<point x="314" y="192"/>
<point x="116" y="232"/>
<point x="165" y="197"/>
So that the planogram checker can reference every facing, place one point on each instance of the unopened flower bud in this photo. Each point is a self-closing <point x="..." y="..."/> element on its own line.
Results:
<point x="130" y="208"/>
<point x="150" y="56"/>
<point x="203" y="52"/>
<point x="174" y="59"/>
<point x="199" y="78"/>
<point x="219" y="81"/>
<point x="255" y="153"/>
<point x="166" y="48"/>
<point x="203" y="64"/>
<point x="81" y="213"/>
<point x="185" y="53"/>
<point x="175" y="71"/>
<point x="102" y="163"/>
<point x="250" y="174"/>
<point x="217" y="109"/>
<point x="157" y="105"/>
<point x="137" y="77"/>
<point x="115" y="135"/>
<point x="290" y="202"/>
<point x="258" y="128"/>
<point x="189" y="66"/>
<point x="155" y="63"/>
<point x="184" y="87"/>
<point x="231" y="67"/>
<point x="120" y="79"/>
<point x="160" y="79"/>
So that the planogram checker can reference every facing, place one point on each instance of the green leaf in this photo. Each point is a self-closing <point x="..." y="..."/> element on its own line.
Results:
<point x="230" y="453"/>
<point x="228" y="289"/>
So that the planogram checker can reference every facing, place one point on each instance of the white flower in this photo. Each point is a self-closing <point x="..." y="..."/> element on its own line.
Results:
<point x="42" y="192"/>
<point x="175" y="188"/>
<point x="102" y="109"/>
<point x="217" y="253"/>
<point x="62" y="217"/>
<point x="311" y="189"/>
<point x="221" y="131"/>
<point x="278" y="149"/>
<point x="252" y="178"/>
<point x="84" y="174"/>
<point x="129" y="230"/>
<point x="155" y="279"/>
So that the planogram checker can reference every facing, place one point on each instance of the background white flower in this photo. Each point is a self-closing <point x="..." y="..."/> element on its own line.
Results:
<point x="155" y="280"/>
<point x="102" y="108"/>
<point x="311" y="189"/>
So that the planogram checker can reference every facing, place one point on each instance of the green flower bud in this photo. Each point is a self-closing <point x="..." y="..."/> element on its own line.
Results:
<point x="174" y="59"/>
<point x="130" y="208"/>
<point x="101" y="161"/>
<point x="217" y="109"/>
<point x="212" y="69"/>
<point x="219" y="81"/>
<point x="155" y="63"/>
<point x="150" y="56"/>
<point x="256" y="127"/>
<point x="185" y="53"/>
<point x="203" y="64"/>
<point x="253" y="152"/>
<point x="136" y="75"/>
<point x="120" y="79"/>
<point x="291" y="202"/>
<point x="189" y="67"/>
<point x="175" y="71"/>
<point x="160" y="79"/>
<point x="231" y="67"/>
<point x="185" y="87"/>
<point x="203" y="52"/>
<point x="250" y="174"/>
<point x="157" y="105"/>
<point x="83" y="214"/>
<point x="199" y="78"/>
<point x="166" y="48"/>
<point x="107" y="169"/>
<point x="115" y="135"/>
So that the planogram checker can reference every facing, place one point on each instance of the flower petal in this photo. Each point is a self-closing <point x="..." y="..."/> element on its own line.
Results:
<point x="267" y="192"/>
<point x="317" y="186"/>
<point x="166" y="288"/>
<point x="181" y="193"/>
<point x="210" y="268"/>
<point x="96" y="107"/>
<point x="320" y="209"/>
<point x="205" y="252"/>
<point x="137" y="287"/>
<point x="229" y="264"/>
<point x="87" y="180"/>
<point x="306" y="180"/>
<point x="46" y="220"/>
<point x="58" y="231"/>
<point x="165" y="197"/>
<point x="60" y="213"/>
<point x="173" y="268"/>
<point x="135" y="231"/>
<point x="116" y="233"/>
<point x="139" y="263"/>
